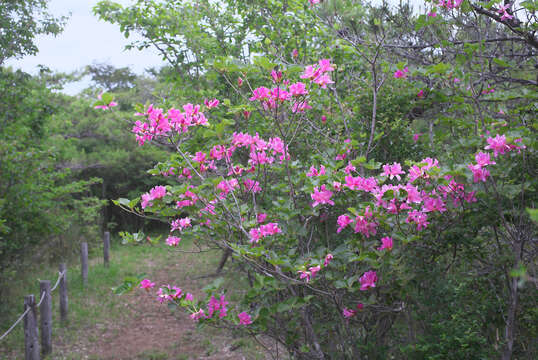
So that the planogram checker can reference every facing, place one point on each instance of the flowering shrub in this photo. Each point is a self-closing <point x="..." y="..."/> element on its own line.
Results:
<point x="327" y="231"/>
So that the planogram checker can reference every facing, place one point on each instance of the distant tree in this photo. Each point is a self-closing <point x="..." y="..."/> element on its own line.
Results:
<point x="111" y="78"/>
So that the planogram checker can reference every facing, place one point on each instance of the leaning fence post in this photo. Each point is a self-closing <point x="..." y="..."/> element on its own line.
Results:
<point x="84" y="263"/>
<point x="63" y="293"/>
<point x="45" y="317"/>
<point x="106" y="248"/>
<point x="31" y="343"/>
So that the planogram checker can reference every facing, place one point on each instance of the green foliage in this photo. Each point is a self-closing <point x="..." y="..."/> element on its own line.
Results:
<point x="21" y="22"/>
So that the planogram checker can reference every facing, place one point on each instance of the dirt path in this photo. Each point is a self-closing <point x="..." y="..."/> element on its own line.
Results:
<point x="147" y="329"/>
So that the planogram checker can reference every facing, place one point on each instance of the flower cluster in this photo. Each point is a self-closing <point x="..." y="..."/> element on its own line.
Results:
<point x="158" y="192"/>
<point x="160" y="123"/>
<point x="263" y="231"/>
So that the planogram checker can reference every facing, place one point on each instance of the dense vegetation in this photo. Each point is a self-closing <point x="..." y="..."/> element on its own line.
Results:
<point x="370" y="169"/>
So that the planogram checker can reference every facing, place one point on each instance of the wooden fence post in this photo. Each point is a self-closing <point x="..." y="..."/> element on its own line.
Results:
<point x="31" y="342"/>
<point x="45" y="317"/>
<point x="84" y="263"/>
<point x="106" y="248"/>
<point x="63" y="294"/>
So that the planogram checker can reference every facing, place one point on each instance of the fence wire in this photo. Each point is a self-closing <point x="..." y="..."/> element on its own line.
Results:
<point x="60" y="276"/>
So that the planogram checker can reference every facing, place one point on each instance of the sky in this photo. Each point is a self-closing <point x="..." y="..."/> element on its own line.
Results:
<point x="85" y="40"/>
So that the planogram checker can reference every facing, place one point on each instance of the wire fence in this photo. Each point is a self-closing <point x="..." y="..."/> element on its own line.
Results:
<point x="60" y="276"/>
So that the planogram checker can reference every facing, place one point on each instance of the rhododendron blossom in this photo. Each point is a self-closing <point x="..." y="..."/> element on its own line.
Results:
<point x="497" y="144"/>
<point x="343" y="221"/>
<point x="328" y="259"/>
<point x="386" y="243"/>
<point x="173" y="240"/>
<point x="146" y="284"/>
<point x="321" y="196"/>
<point x="348" y="313"/>
<point x="368" y="280"/>
<point x="394" y="170"/>
<point x="244" y="318"/>
<point x="401" y="74"/>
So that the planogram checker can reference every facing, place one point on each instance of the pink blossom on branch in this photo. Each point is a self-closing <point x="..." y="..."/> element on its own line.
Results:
<point x="368" y="280"/>
<point x="386" y="243"/>
<point x="244" y="318"/>
<point x="146" y="284"/>
<point x="321" y="196"/>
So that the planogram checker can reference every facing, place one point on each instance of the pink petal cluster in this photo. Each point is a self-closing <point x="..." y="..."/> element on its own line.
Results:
<point x="394" y="170"/>
<point x="401" y="74"/>
<point x="170" y="123"/>
<point x="146" y="284"/>
<point x="317" y="73"/>
<point x="211" y="103"/>
<point x="157" y="192"/>
<point x="217" y="306"/>
<point x="368" y="280"/>
<point x="321" y="196"/>
<point x="244" y="318"/>
<point x="172" y="240"/>
<point x="386" y="243"/>
<point x="263" y="231"/>
<point x="314" y="172"/>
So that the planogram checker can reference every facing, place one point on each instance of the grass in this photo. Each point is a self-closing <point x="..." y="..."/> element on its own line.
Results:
<point x="95" y="307"/>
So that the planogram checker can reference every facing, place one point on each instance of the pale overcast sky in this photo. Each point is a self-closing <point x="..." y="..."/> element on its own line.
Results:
<point x="85" y="40"/>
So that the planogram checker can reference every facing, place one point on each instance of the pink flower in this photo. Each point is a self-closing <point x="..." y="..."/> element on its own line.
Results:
<point x="252" y="186"/>
<point x="313" y="2"/>
<point x="261" y="218"/>
<point x="276" y="75"/>
<point x="314" y="270"/>
<point x="269" y="229"/>
<point x="418" y="217"/>
<point x="497" y="144"/>
<point x="189" y="297"/>
<point x="416" y="137"/>
<point x="432" y="14"/>
<point x="337" y="185"/>
<point x="483" y="159"/>
<point x="244" y="318"/>
<point x="328" y="259"/>
<point x="157" y="192"/>
<point x="394" y="170"/>
<point x="239" y="81"/>
<point x="479" y="173"/>
<point x="323" y="81"/>
<point x="343" y="221"/>
<point x="200" y="157"/>
<point x="321" y="196"/>
<point x="198" y="315"/>
<point x="314" y="172"/>
<point x="295" y="53"/>
<point x="368" y="280"/>
<point x="304" y="275"/>
<point x="146" y="200"/>
<point x="420" y="94"/>
<point x="255" y="235"/>
<point x="360" y="306"/>
<point x="401" y="74"/>
<point x="348" y="313"/>
<point x="261" y="93"/>
<point x="349" y="168"/>
<point x="386" y="243"/>
<point x="217" y="305"/>
<point x="211" y="103"/>
<point x="173" y="240"/>
<point x="146" y="284"/>
<point x="298" y="89"/>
